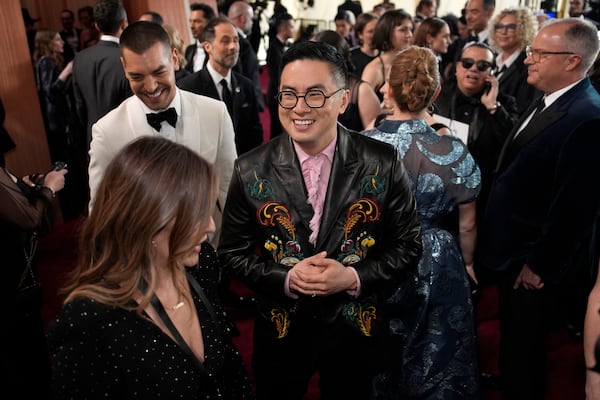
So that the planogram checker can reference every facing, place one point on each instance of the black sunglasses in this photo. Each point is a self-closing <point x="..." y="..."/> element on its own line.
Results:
<point x="481" y="64"/>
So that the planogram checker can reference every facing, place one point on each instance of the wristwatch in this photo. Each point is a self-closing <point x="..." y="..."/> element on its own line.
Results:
<point x="495" y="107"/>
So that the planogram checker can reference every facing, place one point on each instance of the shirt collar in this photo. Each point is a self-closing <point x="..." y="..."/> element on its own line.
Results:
<point x="509" y="61"/>
<point x="328" y="151"/>
<point x="109" y="38"/>
<point x="552" y="97"/>
<point x="216" y="77"/>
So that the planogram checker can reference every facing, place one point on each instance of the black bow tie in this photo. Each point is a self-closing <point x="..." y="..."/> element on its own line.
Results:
<point x="169" y="115"/>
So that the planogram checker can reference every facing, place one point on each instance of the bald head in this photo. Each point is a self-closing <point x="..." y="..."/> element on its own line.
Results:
<point x="242" y="15"/>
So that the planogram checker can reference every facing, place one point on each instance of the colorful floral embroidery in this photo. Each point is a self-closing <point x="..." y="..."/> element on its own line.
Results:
<point x="281" y="319"/>
<point x="261" y="189"/>
<point x="286" y="252"/>
<point x="363" y="317"/>
<point x="372" y="184"/>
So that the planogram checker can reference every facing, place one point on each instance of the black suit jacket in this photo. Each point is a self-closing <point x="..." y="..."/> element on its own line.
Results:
<point x="246" y="121"/>
<point x="247" y="65"/>
<point x="513" y="81"/>
<point x="368" y="221"/>
<point x="545" y="197"/>
<point x="190" y="52"/>
<point x="274" y="55"/>
<point x="68" y="51"/>
<point x="99" y="82"/>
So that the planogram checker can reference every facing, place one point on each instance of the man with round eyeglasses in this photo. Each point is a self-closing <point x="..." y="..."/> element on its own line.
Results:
<point x="538" y="229"/>
<point x="321" y="224"/>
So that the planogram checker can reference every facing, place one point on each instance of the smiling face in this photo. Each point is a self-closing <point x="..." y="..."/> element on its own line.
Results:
<point x="224" y="49"/>
<point x="477" y="16"/>
<point x="471" y="81"/>
<point x="312" y="128"/>
<point x="151" y="75"/>
<point x="506" y="37"/>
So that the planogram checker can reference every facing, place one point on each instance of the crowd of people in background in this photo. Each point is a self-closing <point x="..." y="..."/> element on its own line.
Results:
<point x="411" y="159"/>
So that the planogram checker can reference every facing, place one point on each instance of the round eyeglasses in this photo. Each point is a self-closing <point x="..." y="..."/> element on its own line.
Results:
<point x="314" y="98"/>
<point x="536" y="55"/>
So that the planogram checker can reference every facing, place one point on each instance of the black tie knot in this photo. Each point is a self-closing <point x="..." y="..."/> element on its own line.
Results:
<point x="227" y="96"/>
<point x="169" y="115"/>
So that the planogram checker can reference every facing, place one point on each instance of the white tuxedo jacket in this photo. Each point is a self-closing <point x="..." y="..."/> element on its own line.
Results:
<point x="207" y="129"/>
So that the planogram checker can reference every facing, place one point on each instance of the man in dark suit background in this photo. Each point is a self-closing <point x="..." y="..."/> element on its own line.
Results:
<point x="285" y="29"/>
<point x="221" y="44"/>
<point x="69" y="34"/>
<point x="241" y="15"/>
<point x="195" y="55"/>
<point x="99" y="82"/>
<point x="544" y="201"/>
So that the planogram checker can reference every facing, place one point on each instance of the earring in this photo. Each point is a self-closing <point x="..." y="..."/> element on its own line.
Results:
<point x="431" y="109"/>
<point x="153" y="243"/>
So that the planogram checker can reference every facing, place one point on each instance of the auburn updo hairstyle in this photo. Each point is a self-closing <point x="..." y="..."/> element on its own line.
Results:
<point x="414" y="78"/>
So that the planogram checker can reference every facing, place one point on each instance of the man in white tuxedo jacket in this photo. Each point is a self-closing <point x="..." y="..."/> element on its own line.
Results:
<point x="159" y="108"/>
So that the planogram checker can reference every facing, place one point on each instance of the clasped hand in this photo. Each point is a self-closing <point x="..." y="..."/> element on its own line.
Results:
<point x="321" y="276"/>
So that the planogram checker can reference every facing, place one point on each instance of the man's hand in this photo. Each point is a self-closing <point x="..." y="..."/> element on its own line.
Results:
<point x="321" y="276"/>
<point x="528" y="279"/>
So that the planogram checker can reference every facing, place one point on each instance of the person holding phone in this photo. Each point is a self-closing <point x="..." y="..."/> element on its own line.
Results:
<point x="478" y="112"/>
<point x="25" y="214"/>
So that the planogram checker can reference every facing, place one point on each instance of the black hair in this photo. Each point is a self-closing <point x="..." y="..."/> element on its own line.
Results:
<point x="108" y="15"/>
<point x="156" y="17"/>
<point x="319" y="51"/>
<point x="142" y="35"/>
<point x="206" y="9"/>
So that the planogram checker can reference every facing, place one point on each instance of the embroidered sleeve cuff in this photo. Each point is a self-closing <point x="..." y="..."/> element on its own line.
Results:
<point x="354" y="292"/>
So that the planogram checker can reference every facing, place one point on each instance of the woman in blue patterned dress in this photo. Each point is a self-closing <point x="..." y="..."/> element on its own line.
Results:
<point x="432" y="322"/>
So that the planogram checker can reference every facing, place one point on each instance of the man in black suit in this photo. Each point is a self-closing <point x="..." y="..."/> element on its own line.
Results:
<point x="241" y="15"/>
<point x="221" y="44"/>
<point x="99" y="83"/>
<point x="195" y="55"/>
<point x="69" y="34"/>
<point x="544" y="201"/>
<point x="285" y="29"/>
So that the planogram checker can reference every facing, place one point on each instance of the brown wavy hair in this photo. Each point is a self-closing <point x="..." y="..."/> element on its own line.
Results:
<point x="414" y="78"/>
<point x="149" y="184"/>
<point x="43" y="37"/>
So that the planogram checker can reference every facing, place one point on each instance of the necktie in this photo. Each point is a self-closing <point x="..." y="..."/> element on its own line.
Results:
<point x="169" y="115"/>
<point x="227" y="96"/>
<point x="539" y="108"/>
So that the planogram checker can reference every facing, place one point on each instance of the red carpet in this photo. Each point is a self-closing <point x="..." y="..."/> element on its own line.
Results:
<point x="57" y="252"/>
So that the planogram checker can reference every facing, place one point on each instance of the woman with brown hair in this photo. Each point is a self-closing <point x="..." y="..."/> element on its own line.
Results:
<point x="141" y="317"/>
<point x="53" y="83"/>
<point x="431" y="314"/>
<point x="393" y="32"/>
<point x="364" y="29"/>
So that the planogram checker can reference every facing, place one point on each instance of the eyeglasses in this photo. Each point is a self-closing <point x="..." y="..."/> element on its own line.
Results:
<point x="314" y="98"/>
<point x="482" y="65"/>
<point x="536" y="55"/>
<point x="505" y="27"/>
